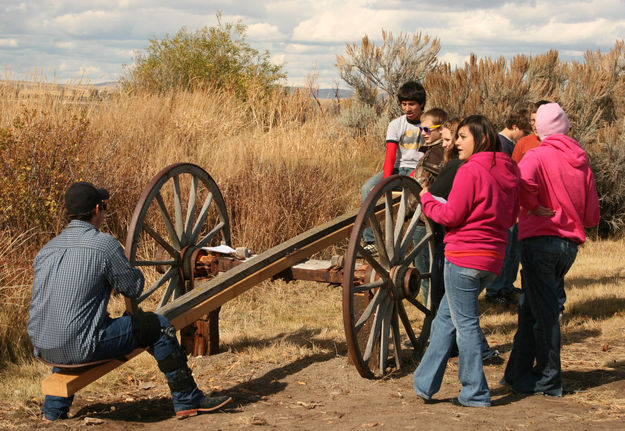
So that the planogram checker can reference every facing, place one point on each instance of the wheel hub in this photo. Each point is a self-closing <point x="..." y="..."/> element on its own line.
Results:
<point x="405" y="282"/>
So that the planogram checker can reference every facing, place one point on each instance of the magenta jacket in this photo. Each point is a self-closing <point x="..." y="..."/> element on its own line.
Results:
<point x="556" y="175"/>
<point x="482" y="205"/>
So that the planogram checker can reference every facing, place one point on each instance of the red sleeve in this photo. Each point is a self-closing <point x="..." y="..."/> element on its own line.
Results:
<point x="389" y="160"/>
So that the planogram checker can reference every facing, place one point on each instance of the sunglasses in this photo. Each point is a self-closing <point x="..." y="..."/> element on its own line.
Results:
<point x="427" y="129"/>
<point x="102" y="205"/>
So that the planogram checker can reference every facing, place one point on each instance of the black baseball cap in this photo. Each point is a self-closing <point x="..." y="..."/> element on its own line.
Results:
<point x="82" y="197"/>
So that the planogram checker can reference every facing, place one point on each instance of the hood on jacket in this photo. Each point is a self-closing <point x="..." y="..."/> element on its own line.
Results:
<point x="568" y="149"/>
<point x="501" y="167"/>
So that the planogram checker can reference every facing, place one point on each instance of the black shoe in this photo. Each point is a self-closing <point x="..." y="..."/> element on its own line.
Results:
<point x="492" y="358"/>
<point x="501" y="300"/>
<point x="208" y="404"/>
<point x="496" y="300"/>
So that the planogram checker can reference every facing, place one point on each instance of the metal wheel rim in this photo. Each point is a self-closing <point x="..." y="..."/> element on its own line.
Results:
<point x="180" y="233"/>
<point x="386" y="313"/>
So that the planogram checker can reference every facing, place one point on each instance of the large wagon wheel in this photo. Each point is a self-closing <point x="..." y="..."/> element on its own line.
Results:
<point x="373" y="310"/>
<point x="165" y="231"/>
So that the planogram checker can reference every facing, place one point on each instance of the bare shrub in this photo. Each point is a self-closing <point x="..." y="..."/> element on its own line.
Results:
<point x="376" y="72"/>
<point x="40" y="156"/>
<point x="14" y="296"/>
<point x="607" y="160"/>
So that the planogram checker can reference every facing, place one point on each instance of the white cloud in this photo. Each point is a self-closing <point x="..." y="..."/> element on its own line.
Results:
<point x="345" y="21"/>
<point x="64" y="44"/>
<point x="454" y="59"/>
<point x="264" y="31"/>
<point x="90" y="70"/>
<point x="11" y="43"/>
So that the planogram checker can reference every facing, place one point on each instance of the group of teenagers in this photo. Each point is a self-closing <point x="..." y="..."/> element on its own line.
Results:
<point x="483" y="203"/>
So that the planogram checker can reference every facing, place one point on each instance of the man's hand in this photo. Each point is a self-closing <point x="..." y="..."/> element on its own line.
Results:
<point x="424" y="190"/>
<point x="541" y="211"/>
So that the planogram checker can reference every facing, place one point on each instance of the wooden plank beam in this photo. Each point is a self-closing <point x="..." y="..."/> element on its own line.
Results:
<point x="67" y="382"/>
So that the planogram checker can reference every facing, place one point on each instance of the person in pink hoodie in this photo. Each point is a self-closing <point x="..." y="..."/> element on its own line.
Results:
<point x="558" y="200"/>
<point x="481" y="207"/>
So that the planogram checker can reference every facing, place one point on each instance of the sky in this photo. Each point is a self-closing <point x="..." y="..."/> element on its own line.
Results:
<point x="90" y="41"/>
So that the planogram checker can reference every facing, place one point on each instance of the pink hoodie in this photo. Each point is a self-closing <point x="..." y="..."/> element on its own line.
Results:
<point x="557" y="175"/>
<point x="482" y="205"/>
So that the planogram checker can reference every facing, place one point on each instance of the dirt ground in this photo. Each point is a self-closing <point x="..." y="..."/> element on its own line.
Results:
<point x="325" y="392"/>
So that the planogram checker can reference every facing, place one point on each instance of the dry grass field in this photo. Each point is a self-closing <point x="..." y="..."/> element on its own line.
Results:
<point x="284" y="165"/>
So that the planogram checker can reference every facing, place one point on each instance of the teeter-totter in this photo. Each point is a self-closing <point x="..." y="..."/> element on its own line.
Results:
<point x="182" y="211"/>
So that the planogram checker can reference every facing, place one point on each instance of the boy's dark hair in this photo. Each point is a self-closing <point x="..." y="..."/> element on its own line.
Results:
<point x="84" y="216"/>
<point x="537" y="105"/>
<point x="483" y="133"/>
<point x="437" y="115"/>
<point x="521" y="119"/>
<point x="411" y="90"/>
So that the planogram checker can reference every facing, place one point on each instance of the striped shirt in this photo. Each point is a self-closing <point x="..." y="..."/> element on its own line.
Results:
<point x="74" y="274"/>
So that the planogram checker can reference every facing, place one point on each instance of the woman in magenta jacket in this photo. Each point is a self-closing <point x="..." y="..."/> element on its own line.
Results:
<point x="482" y="205"/>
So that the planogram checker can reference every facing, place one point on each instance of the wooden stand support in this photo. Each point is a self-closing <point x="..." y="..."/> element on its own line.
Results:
<point x="202" y="336"/>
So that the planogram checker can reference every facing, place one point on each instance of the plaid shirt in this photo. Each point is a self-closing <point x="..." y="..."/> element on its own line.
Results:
<point x="74" y="275"/>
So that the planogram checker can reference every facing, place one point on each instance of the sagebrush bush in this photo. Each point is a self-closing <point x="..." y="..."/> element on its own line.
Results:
<point x="217" y="56"/>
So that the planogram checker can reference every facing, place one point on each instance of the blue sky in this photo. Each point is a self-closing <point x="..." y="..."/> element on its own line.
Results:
<point x="70" y="40"/>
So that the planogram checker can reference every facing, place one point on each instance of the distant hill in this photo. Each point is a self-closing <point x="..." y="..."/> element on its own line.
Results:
<point x="322" y="93"/>
<point x="329" y="93"/>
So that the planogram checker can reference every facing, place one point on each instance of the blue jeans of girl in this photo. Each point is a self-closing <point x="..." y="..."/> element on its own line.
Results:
<point x="457" y="319"/>
<point x="534" y="364"/>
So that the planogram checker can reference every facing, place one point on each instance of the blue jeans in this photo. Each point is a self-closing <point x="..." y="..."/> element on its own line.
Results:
<point x="534" y="364"/>
<point x="118" y="341"/>
<point x="457" y="319"/>
<point x="504" y="283"/>
<point x="437" y="282"/>
<point x="422" y="260"/>
<point x="367" y="234"/>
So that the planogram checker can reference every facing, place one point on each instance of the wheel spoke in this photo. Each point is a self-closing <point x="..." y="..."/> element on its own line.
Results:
<point x="368" y="286"/>
<point x="417" y="249"/>
<point x="401" y="215"/>
<point x="178" y="210"/>
<point x="396" y="338"/>
<point x="167" y="220"/>
<point x="171" y="250"/>
<point x="384" y="335"/>
<point x="408" y="235"/>
<point x="173" y="285"/>
<point x="158" y="283"/>
<point x="375" y="330"/>
<point x="211" y="234"/>
<point x="377" y="298"/>
<point x="401" y="311"/>
<point x="425" y="331"/>
<point x="388" y="225"/>
<point x="420" y="306"/>
<point x="373" y="262"/>
<point x="377" y="232"/>
<point x="201" y="218"/>
<point x="188" y="228"/>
